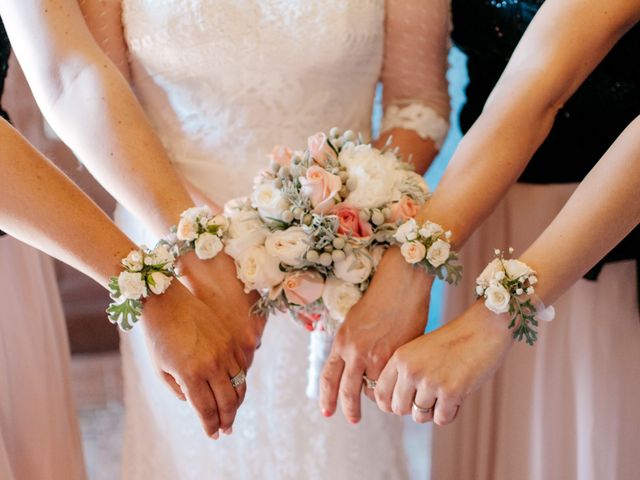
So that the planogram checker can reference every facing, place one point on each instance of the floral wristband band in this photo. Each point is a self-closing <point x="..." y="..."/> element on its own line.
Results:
<point x="507" y="285"/>
<point x="429" y="246"/>
<point x="198" y="230"/>
<point x="145" y="271"/>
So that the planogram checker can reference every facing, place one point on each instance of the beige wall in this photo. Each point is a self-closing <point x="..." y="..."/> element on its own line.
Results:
<point x="84" y="301"/>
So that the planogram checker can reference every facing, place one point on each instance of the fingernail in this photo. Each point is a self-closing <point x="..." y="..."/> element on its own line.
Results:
<point x="354" y="421"/>
<point x="326" y="413"/>
<point x="215" y="436"/>
<point x="228" y="431"/>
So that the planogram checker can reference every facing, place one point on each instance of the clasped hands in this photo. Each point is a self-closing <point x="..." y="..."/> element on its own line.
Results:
<point x="382" y="339"/>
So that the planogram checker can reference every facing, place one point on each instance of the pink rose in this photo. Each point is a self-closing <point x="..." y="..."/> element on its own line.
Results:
<point x="350" y="222"/>
<point x="320" y="149"/>
<point x="403" y="210"/>
<point x="303" y="288"/>
<point x="321" y="187"/>
<point x="281" y="155"/>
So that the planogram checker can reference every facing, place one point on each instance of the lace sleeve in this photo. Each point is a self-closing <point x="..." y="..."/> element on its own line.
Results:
<point x="415" y="91"/>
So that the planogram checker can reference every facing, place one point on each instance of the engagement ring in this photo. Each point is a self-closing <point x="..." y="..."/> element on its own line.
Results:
<point x="239" y="379"/>
<point x="369" y="383"/>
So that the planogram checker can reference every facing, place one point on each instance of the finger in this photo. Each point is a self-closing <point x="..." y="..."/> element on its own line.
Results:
<point x="350" y="390"/>
<point x="386" y="385"/>
<point x="241" y="390"/>
<point x="226" y="398"/>
<point x="173" y="385"/>
<point x="403" y="395"/>
<point x="446" y="410"/>
<point x="425" y="400"/>
<point x="330" y="384"/>
<point x="201" y="398"/>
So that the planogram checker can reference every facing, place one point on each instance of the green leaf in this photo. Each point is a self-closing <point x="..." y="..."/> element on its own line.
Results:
<point x="125" y="314"/>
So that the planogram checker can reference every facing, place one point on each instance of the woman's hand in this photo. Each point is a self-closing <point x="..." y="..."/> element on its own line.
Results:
<point x="438" y="370"/>
<point x="392" y="312"/>
<point x="196" y="355"/>
<point x="215" y="283"/>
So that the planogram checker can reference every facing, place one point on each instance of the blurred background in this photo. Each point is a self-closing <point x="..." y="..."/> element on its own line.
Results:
<point x="96" y="372"/>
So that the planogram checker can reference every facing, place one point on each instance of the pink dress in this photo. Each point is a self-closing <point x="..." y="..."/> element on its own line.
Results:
<point x="39" y="435"/>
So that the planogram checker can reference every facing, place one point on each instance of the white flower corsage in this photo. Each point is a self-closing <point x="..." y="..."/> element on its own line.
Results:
<point x="145" y="271"/>
<point x="198" y="230"/>
<point x="507" y="285"/>
<point x="429" y="246"/>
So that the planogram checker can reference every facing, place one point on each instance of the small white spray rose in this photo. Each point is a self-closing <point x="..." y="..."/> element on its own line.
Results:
<point x="489" y="272"/>
<point x="208" y="246"/>
<point x="159" y="282"/>
<point x="134" y="261"/>
<point x="438" y="253"/>
<point x="497" y="299"/>
<point x="407" y="232"/>
<point x="413" y="252"/>
<point x="516" y="269"/>
<point x="132" y="285"/>
<point x="429" y="229"/>
<point x="187" y="229"/>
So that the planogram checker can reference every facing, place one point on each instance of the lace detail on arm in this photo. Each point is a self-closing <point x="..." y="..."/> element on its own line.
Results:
<point x="415" y="95"/>
<point x="423" y="120"/>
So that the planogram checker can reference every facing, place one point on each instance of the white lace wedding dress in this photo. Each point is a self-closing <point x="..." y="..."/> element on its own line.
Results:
<point x="222" y="83"/>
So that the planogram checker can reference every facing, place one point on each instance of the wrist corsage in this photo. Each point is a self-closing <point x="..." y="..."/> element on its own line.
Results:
<point x="145" y="272"/>
<point x="507" y="285"/>
<point x="198" y="230"/>
<point x="429" y="246"/>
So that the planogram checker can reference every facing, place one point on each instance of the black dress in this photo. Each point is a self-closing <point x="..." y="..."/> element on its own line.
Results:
<point x="5" y="51"/>
<point x="487" y="31"/>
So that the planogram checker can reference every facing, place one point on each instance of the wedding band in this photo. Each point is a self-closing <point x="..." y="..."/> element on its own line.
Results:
<point x="239" y="379"/>
<point x="418" y="409"/>
<point x="369" y="383"/>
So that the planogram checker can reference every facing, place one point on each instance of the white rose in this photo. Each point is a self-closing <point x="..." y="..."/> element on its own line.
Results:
<point x="195" y="213"/>
<point x="219" y="221"/>
<point x="489" y="273"/>
<point x="429" y="229"/>
<point x="338" y="297"/>
<point x="438" y="253"/>
<point x="187" y="229"/>
<point x="407" y="232"/>
<point x="134" y="261"/>
<point x="246" y="231"/>
<point x="413" y="252"/>
<point x="208" y="246"/>
<point x="159" y="282"/>
<point x="132" y="285"/>
<point x="479" y="290"/>
<point x="289" y="246"/>
<point x="160" y="255"/>
<point x="269" y="201"/>
<point x="355" y="268"/>
<point x="516" y="269"/>
<point x="373" y="174"/>
<point x="234" y="206"/>
<point x="258" y="270"/>
<point x="497" y="299"/>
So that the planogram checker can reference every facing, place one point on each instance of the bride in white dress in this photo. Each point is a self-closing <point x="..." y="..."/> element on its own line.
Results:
<point x="222" y="83"/>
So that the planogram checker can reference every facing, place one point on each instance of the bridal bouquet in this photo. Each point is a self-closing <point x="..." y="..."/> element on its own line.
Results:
<point x="312" y="233"/>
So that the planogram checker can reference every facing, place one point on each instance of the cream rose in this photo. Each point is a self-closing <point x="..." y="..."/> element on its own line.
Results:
<point x="438" y="253"/>
<point x="289" y="246"/>
<point x="373" y="175"/>
<point x="339" y="297"/>
<point x="429" y="229"/>
<point x="407" y="232"/>
<point x="246" y="231"/>
<point x="208" y="246"/>
<point x="497" y="298"/>
<point x="159" y="282"/>
<point x="132" y="285"/>
<point x="515" y="269"/>
<point x="303" y="288"/>
<point x="413" y="252"/>
<point x="258" y="270"/>
<point x="269" y="201"/>
<point x="134" y="261"/>
<point x="489" y="273"/>
<point x="354" y="268"/>
<point x="321" y="187"/>
<point x="187" y="229"/>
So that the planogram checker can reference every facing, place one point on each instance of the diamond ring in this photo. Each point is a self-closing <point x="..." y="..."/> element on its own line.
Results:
<point x="369" y="383"/>
<point x="239" y="379"/>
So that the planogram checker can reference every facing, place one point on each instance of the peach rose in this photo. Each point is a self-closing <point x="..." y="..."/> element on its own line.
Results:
<point x="303" y="288"/>
<point x="403" y="210"/>
<point x="320" y="149"/>
<point x="350" y="222"/>
<point x="281" y="155"/>
<point x="321" y="187"/>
